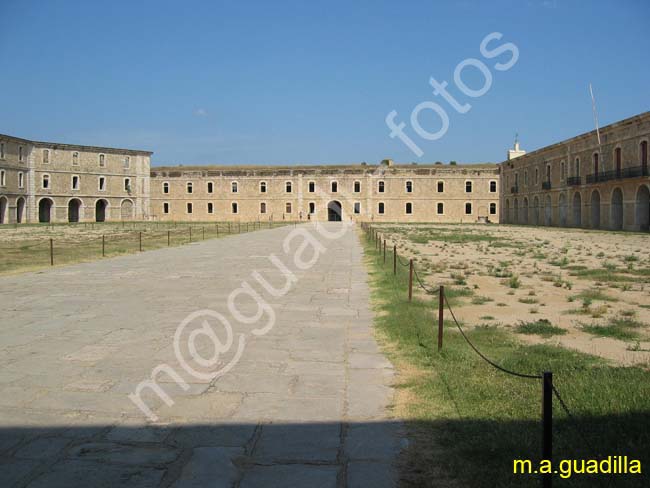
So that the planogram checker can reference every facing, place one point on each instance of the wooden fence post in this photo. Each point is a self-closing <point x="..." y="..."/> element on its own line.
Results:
<point x="547" y="423"/>
<point x="51" y="252"/>
<point x="394" y="259"/>
<point x="168" y="238"/>
<point x="384" y="251"/>
<point x="410" y="280"/>
<point x="140" y="237"/>
<point x="103" y="245"/>
<point x="441" y="313"/>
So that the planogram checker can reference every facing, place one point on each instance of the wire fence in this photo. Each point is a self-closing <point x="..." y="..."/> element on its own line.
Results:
<point x="35" y="247"/>
<point x="549" y="390"/>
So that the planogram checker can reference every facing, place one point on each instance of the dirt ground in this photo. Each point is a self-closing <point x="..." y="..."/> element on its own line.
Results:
<point x="592" y="285"/>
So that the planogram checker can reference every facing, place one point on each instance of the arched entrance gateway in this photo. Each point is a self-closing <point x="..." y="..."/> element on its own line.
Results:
<point x="595" y="210"/>
<point x="536" y="211"/>
<point x="515" y="208"/>
<point x="524" y="212"/>
<point x="3" y="210"/>
<point x="334" y="211"/>
<point x="616" y="210"/>
<point x="100" y="210"/>
<point x="577" y="210"/>
<point x="642" y="210"/>
<point x="507" y="211"/>
<point x="548" y="211"/>
<point x="73" y="210"/>
<point x="563" y="210"/>
<point x="127" y="210"/>
<point x="45" y="210"/>
<point x="20" y="210"/>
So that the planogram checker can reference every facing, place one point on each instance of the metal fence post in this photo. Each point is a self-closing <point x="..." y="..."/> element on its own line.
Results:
<point x="410" y="279"/>
<point x="441" y="312"/>
<point x="103" y="245"/>
<point x="51" y="252"/>
<point x="547" y="423"/>
<point x="168" y="238"/>
<point x="203" y="230"/>
<point x="384" y="251"/>
<point x="394" y="259"/>
<point x="140" y="237"/>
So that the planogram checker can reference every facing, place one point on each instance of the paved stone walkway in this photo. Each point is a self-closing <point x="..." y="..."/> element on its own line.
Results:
<point x="305" y="404"/>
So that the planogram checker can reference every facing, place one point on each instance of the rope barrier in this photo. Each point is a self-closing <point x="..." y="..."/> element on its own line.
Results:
<point x="426" y="289"/>
<point x="492" y="363"/>
<point x="401" y="262"/>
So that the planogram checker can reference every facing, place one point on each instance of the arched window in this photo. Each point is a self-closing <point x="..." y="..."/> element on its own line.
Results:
<point x="493" y="185"/>
<point x="440" y="208"/>
<point x="287" y="187"/>
<point x="262" y="187"/>
<point x="409" y="187"/>
<point x="263" y="207"/>
<point x="595" y="158"/>
<point x="20" y="153"/>
<point x="190" y="187"/>
<point x="189" y="208"/>
<point x="357" y="187"/>
<point x="409" y="208"/>
<point x="334" y="186"/>
<point x="234" y="207"/>
<point x="234" y="188"/>
<point x="493" y="208"/>
<point x="45" y="182"/>
<point x="312" y="186"/>
<point x="166" y="207"/>
<point x="577" y="168"/>
<point x="210" y="207"/>
<point x="468" y="186"/>
<point x="380" y="208"/>
<point x="380" y="188"/>
<point x="312" y="207"/>
<point x="102" y="160"/>
<point x="644" y="157"/>
<point x="441" y="187"/>
<point x="165" y="187"/>
<point x="617" y="161"/>
<point x="210" y="187"/>
<point x="287" y="207"/>
<point x="46" y="156"/>
<point x="357" y="207"/>
<point x="468" y="208"/>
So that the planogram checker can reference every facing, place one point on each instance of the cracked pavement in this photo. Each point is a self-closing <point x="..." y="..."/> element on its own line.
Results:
<point x="305" y="404"/>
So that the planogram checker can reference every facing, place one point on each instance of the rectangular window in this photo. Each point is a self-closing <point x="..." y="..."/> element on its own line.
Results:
<point x="189" y="208"/>
<point x="234" y="187"/>
<point x="312" y="207"/>
<point x="468" y="187"/>
<point x="287" y="187"/>
<point x="127" y="184"/>
<point x="493" y="209"/>
<point x="2" y="150"/>
<point x="102" y="183"/>
<point x="3" y="178"/>
<point x="440" y="208"/>
<point x="21" y="180"/>
<point x="493" y="185"/>
<point x="262" y="186"/>
<point x="357" y="207"/>
<point x="468" y="208"/>
<point x="357" y="187"/>
<point x="165" y="208"/>
<point x="102" y="160"/>
<point x="165" y="187"/>
<point x="263" y="207"/>
<point x="75" y="182"/>
<point x="210" y="187"/>
<point x="127" y="162"/>
<point x="20" y="153"/>
<point x="190" y="187"/>
<point x="234" y="207"/>
<point x="46" y="182"/>
<point x="409" y="208"/>
<point x="335" y="187"/>
<point x="46" y="156"/>
<point x="409" y="187"/>
<point x="441" y="187"/>
<point x="380" y="187"/>
<point x="380" y="208"/>
<point x="288" y="208"/>
<point x="210" y="208"/>
<point x="312" y="187"/>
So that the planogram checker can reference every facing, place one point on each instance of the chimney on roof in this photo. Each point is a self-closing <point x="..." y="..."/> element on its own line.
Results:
<point x="516" y="151"/>
<point x="387" y="162"/>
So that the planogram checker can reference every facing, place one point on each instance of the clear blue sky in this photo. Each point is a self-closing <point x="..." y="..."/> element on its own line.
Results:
<point x="260" y="82"/>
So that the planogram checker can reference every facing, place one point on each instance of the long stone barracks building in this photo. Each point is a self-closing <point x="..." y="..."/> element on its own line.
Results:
<point x="581" y="182"/>
<point x="597" y="180"/>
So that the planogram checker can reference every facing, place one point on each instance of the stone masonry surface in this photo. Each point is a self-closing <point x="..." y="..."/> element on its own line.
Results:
<point x="304" y="406"/>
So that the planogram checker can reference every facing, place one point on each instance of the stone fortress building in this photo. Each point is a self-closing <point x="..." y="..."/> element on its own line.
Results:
<point x="597" y="180"/>
<point x="578" y="182"/>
